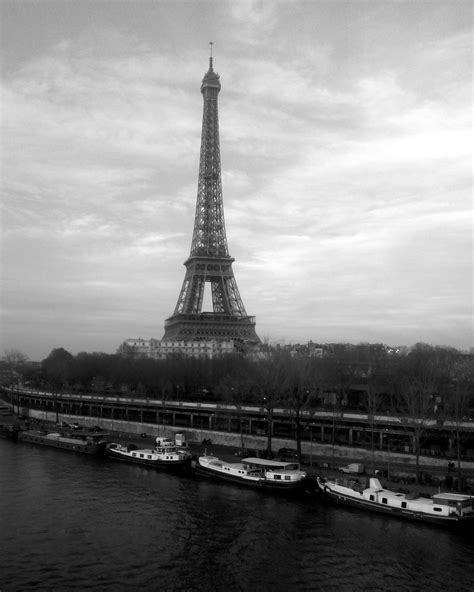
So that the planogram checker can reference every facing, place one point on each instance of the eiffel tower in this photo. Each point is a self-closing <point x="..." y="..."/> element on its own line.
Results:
<point x="209" y="259"/>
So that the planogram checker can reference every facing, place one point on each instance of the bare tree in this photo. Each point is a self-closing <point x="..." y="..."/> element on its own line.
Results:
<point x="418" y="383"/>
<point x="235" y="391"/>
<point x="15" y="362"/>
<point x="269" y="386"/>
<point x="126" y="350"/>
<point x="459" y="394"/>
<point x="57" y="368"/>
<point x="302" y="380"/>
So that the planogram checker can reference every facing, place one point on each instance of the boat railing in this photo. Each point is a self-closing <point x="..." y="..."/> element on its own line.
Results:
<point x="166" y="449"/>
<point x="354" y="484"/>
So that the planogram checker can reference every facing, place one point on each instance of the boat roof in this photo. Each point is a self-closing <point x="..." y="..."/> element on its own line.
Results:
<point x="451" y="496"/>
<point x="263" y="462"/>
<point x="218" y="461"/>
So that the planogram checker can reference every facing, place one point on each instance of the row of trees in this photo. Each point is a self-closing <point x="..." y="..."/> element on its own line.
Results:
<point x="424" y="383"/>
<point x="425" y="380"/>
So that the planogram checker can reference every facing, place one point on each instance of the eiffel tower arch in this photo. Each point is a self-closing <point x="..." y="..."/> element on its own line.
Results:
<point x="209" y="260"/>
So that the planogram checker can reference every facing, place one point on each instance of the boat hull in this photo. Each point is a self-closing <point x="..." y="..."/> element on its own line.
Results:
<point x="246" y="482"/>
<point x="62" y="443"/>
<point x="364" y="504"/>
<point x="182" y="464"/>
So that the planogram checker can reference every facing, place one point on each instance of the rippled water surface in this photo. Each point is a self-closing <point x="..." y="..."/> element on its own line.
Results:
<point x="71" y="522"/>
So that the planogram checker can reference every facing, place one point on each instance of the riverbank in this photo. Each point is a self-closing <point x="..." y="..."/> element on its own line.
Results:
<point x="403" y="480"/>
<point x="396" y="470"/>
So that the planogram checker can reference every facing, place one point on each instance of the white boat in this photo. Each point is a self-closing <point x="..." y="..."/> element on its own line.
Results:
<point x="165" y="454"/>
<point x="254" y="472"/>
<point x="441" y="508"/>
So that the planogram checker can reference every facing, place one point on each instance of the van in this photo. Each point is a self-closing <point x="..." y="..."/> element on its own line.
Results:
<point x="353" y="468"/>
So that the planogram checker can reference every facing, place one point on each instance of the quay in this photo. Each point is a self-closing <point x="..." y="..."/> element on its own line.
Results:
<point x="328" y="439"/>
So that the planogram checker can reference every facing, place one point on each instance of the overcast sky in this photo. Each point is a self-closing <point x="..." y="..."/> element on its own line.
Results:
<point x="346" y="146"/>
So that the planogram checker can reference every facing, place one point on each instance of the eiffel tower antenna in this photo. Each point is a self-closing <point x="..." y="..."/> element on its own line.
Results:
<point x="211" y="43"/>
<point x="209" y="260"/>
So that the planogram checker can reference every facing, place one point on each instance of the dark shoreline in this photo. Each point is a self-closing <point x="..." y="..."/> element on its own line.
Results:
<point x="433" y="477"/>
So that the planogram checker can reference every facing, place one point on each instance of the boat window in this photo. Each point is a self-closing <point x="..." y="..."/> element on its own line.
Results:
<point x="404" y="504"/>
<point x="437" y="509"/>
<point x="134" y="454"/>
<point x="372" y="498"/>
<point x="149" y="456"/>
<point x="287" y="477"/>
<point x="142" y="455"/>
<point x="384" y="500"/>
<point x="277" y="476"/>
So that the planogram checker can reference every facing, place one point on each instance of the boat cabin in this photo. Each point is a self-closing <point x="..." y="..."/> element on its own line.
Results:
<point x="462" y="504"/>
<point x="164" y="442"/>
<point x="237" y="469"/>
<point x="271" y="465"/>
<point x="275" y="470"/>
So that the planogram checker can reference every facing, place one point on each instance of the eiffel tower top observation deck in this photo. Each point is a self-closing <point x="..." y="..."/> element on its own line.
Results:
<point x="209" y="260"/>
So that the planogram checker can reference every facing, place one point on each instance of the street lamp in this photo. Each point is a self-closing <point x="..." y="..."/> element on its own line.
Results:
<point x="387" y="434"/>
<point x="311" y="426"/>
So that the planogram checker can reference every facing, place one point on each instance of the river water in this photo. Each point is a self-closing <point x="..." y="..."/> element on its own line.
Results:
<point x="71" y="522"/>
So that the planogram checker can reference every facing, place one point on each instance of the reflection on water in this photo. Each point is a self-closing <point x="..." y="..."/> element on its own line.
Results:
<point x="70" y="522"/>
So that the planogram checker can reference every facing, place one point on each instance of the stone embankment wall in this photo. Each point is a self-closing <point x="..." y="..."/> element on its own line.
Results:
<point x="313" y="452"/>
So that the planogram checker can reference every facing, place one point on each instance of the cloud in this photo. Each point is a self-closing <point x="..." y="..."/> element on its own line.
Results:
<point x="252" y="19"/>
<point x="346" y="177"/>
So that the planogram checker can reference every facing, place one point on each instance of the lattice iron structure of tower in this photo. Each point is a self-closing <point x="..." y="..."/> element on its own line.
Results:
<point x="209" y="260"/>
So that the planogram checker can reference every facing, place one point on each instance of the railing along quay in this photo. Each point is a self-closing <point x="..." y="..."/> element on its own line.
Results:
<point x="339" y="426"/>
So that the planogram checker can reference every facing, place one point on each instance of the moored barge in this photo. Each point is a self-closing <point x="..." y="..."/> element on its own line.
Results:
<point x="85" y="443"/>
<point x="253" y="472"/>
<point x="165" y="454"/>
<point x="442" y="508"/>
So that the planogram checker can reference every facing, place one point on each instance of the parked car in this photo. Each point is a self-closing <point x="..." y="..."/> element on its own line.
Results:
<point x="246" y="452"/>
<point x="288" y="454"/>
